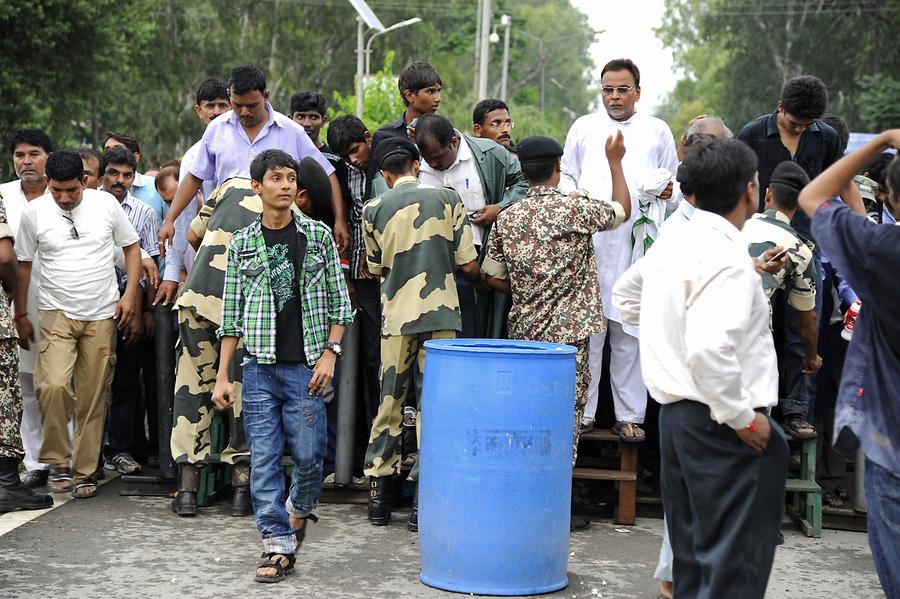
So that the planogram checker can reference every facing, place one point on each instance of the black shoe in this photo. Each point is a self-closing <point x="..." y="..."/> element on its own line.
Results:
<point x="780" y="539"/>
<point x="35" y="478"/>
<point x="241" y="504"/>
<point x="185" y="503"/>
<point x="579" y="522"/>
<point x="379" y="511"/>
<point x="412" y="525"/>
<point x="14" y="495"/>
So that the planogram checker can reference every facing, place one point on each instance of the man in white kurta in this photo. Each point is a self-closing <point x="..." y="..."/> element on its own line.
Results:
<point x="649" y="146"/>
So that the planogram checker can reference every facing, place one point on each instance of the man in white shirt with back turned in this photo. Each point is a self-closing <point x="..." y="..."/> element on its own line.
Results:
<point x="74" y="230"/>
<point x="707" y="356"/>
<point x="649" y="147"/>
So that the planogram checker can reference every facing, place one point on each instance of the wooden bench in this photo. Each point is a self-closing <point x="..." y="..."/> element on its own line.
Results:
<point x="625" y="476"/>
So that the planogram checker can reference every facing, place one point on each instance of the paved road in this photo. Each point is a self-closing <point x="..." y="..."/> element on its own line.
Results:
<point x="129" y="547"/>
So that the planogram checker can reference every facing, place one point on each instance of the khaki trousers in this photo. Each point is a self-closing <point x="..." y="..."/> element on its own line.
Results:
<point x="82" y="352"/>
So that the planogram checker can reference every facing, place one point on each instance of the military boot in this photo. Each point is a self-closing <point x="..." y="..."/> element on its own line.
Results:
<point x="185" y="502"/>
<point x="379" y="500"/>
<point x="13" y="494"/>
<point x="413" y="524"/>
<point x="241" y="504"/>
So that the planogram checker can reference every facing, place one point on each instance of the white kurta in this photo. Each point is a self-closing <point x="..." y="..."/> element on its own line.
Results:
<point x="649" y="145"/>
<point x="14" y="201"/>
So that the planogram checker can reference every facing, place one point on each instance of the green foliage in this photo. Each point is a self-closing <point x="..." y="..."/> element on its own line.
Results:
<point x="79" y="68"/>
<point x="879" y="102"/>
<point x="735" y="55"/>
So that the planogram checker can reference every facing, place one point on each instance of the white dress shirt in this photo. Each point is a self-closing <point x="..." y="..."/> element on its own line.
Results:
<point x="704" y="320"/>
<point x="463" y="177"/>
<point x="14" y="201"/>
<point x="649" y="145"/>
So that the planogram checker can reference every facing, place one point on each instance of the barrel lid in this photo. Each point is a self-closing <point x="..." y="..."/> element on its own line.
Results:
<point x="499" y="346"/>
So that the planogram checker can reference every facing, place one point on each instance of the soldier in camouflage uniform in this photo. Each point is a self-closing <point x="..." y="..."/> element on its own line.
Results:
<point x="797" y="278"/>
<point x="416" y="236"/>
<point x="540" y="250"/>
<point x="13" y="494"/>
<point x="232" y="206"/>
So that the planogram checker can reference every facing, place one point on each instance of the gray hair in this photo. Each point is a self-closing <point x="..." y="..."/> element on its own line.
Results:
<point x="695" y="127"/>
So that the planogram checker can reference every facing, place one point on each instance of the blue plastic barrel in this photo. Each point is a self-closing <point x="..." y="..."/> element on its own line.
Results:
<point x="495" y="477"/>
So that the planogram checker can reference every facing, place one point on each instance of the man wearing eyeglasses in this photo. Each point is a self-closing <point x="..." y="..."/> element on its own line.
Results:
<point x="125" y="419"/>
<point x="649" y="146"/>
<point x="73" y="231"/>
<point x="491" y="119"/>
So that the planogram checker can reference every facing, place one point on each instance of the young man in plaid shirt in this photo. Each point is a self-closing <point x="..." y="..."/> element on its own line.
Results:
<point x="286" y="297"/>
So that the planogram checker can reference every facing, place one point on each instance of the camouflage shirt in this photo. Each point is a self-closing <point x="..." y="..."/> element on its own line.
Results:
<point x="416" y="236"/>
<point x="798" y="275"/>
<point x="542" y="244"/>
<point x="231" y="207"/>
<point x="7" y="328"/>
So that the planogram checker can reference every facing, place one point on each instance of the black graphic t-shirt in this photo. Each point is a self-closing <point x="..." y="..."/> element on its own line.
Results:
<point x="283" y="248"/>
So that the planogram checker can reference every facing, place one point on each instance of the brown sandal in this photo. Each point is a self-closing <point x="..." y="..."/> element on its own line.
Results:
<point x="629" y="432"/>
<point x="273" y="561"/>
<point x="59" y="480"/>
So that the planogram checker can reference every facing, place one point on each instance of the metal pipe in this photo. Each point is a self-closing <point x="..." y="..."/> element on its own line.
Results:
<point x="485" y="49"/>
<point x="165" y="385"/>
<point x="360" y="50"/>
<point x="504" y="78"/>
<point x="346" y="408"/>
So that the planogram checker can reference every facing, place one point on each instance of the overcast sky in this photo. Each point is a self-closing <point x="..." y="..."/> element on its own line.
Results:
<point x="629" y="34"/>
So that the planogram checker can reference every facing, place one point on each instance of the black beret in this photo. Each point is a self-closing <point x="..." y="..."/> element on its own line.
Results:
<point x="392" y="147"/>
<point x="313" y="179"/>
<point x="537" y="148"/>
<point x="790" y="174"/>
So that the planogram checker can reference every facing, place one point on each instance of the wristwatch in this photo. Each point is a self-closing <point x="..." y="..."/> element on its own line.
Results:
<point x="334" y="347"/>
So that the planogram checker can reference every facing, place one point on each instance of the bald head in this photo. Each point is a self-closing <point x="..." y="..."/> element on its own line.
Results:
<point x="710" y="125"/>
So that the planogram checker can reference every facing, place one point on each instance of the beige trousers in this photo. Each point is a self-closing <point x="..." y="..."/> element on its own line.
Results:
<point x="73" y="374"/>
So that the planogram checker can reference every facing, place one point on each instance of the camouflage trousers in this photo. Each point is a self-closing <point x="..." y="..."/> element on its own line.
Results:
<point x="402" y="363"/>
<point x="10" y="400"/>
<point x="197" y="361"/>
<point x="582" y="385"/>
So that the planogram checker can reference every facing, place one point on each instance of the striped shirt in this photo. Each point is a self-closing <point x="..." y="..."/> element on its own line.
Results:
<point x="248" y="304"/>
<point x="145" y="222"/>
<point x="356" y="181"/>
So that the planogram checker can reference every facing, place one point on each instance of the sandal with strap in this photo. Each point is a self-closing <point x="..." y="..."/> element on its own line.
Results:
<point x="273" y="560"/>
<point x="84" y="489"/>
<point x="629" y="432"/>
<point x="798" y="428"/>
<point x="59" y="480"/>
<point x="300" y="533"/>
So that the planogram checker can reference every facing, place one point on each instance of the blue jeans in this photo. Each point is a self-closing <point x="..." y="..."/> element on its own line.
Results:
<point x="800" y="388"/>
<point x="278" y="408"/>
<point x="883" y="498"/>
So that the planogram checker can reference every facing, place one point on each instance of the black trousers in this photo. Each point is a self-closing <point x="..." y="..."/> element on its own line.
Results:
<point x="122" y="432"/>
<point x="723" y="503"/>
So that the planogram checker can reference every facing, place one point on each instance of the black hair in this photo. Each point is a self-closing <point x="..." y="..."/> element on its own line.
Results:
<point x="64" y="165"/>
<point x="878" y="167"/>
<point x="395" y="155"/>
<point x="212" y="89"/>
<point x="622" y="64"/>
<point x="92" y="154"/>
<point x="486" y="106"/>
<point x="309" y="102"/>
<point x="693" y="143"/>
<point x="805" y="96"/>
<point x="436" y="126"/>
<point x="32" y="137"/>
<point x="417" y="76"/>
<point x="345" y="131"/>
<point x="892" y="179"/>
<point x="718" y="174"/>
<point x="124" y="139"/>
<point x="536" y="171"/>
<point x="246" y="79"/>
<point x="838" y="124"/>
<point x="785" y="196"/>
<point x="271" y="160"/>
<point x="119" y="155"/>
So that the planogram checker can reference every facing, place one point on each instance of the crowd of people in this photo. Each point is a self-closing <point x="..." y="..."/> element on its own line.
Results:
<point x="723" y="276"/>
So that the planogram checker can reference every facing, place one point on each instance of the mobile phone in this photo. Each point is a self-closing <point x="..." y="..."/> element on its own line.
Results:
<point x="778" y="256"/>
<point x="413" y="123"/>
<point x="474" y="214"/>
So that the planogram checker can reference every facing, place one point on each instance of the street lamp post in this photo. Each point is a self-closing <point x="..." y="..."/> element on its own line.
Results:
<point x="393" y="27"/>
<point x="505" y="21"/>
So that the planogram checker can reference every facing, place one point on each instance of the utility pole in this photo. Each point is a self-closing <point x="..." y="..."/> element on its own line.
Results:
<point x="485" y="49"/>
<point x="477" y="63"/>
<point x="360" y="64"/>
<point x="505" y="21"/>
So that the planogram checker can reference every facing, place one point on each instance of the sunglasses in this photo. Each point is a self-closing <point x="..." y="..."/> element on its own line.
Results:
<point x="73" y="233"/>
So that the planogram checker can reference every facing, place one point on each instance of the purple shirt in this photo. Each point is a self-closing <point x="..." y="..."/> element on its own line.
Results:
<point x="226" y="151"/>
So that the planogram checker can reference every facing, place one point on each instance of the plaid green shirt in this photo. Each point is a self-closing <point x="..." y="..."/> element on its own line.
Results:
<point x="248" y="305"/>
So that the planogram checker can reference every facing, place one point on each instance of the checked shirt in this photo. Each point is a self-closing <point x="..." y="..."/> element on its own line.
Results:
<point x="248" y="304"/>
